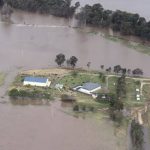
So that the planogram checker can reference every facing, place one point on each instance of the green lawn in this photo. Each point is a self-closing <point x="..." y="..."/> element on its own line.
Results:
<point x="131" y="86"/>
<point x="81" y="78"/>
<point x="146" y="92"/>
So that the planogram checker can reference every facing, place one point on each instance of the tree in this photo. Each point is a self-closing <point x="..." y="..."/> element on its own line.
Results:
<point x="60" y="59"/>
<point x="102" y="67"/>
<point x="88" y="64"/>
<point x="73" y="61"/>
<point x="137" y="134"/>
<point x="6" y="12"/>
<point x="137" y="72"/>
<point x="121" y="87"/>
<point x="117" y="69"/>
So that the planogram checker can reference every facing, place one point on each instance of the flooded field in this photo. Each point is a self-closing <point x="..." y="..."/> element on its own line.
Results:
<point x="33" y="42"/>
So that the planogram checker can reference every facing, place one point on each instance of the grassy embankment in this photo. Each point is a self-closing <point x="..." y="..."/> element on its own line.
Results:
<point x="143" y="48"/>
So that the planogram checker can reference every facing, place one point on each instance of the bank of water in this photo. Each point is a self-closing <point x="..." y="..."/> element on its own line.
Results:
<point x="47" y="127"/>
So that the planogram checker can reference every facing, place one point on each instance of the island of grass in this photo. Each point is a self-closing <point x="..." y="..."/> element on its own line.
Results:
<point x="71" y="78"/>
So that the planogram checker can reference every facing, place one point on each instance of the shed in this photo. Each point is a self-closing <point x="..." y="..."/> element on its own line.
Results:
<point x="88" y="88"/>
<point x="36" y="81"/>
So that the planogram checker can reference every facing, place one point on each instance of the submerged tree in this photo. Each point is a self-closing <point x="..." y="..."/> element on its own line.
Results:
<point x="6" y="12"/>
<point x="60" y="59"/>
<point x="137" y="134"/>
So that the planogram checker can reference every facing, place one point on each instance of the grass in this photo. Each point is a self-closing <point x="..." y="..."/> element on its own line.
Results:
<point x="131" y="86"/>
<point x="2" y="78"/>
<point x="72" y="79"/>
<point x="134" y="45"/>
<point x="146" y="92"/>
<point x="79" y="79"/>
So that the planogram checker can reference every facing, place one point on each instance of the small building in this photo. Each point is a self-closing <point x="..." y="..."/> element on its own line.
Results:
<point x="88" y="88"/>
<point x="36" y="81"/>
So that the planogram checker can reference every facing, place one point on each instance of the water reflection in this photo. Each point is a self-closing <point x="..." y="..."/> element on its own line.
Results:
<point x="29" y="102"/>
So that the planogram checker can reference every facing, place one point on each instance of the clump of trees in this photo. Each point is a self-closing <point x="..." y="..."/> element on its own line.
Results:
<point x="15" y="93"/>
<point x="137" y="134"/>
<point x="61" y="8"/>
<point x="120" y="21"/>
<point x="60" y="59"/>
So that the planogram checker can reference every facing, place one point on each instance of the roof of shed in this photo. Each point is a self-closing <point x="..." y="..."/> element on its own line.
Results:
<point x="90" y="86"/>
<point x="35" y="79"/>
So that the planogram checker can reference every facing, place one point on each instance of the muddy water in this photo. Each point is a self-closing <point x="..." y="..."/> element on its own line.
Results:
<point x="134" y="6"/>
<point x="36" y="43"/>
<point x="33" y="42"/>
<point x="47" y="127"/>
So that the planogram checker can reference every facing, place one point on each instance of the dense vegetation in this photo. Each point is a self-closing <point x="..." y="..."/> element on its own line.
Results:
<point x="137" y="135"/>
<point x="60" y="8"/>
<point x="35" y="94"/>
<point x="124" y="22"/>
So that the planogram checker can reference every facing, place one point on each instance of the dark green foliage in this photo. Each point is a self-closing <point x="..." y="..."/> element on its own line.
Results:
<point x="73" y="60"/>
<point x="60" y="59"/>
<point x="116" y="116"/>
<point x="35" y="94"/>
<point x="137" y="135"/>
<point x="74" y="73"/>
<point x="137" y="72"/>
<point x="60" y="8"/>
<point x="105" y="98"/>
<point x="121" y="87"/>
<point x="76" y="108"/>
<point x="124" y="22"/>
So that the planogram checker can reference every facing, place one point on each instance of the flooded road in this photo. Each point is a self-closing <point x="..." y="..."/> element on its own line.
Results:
<point x="134" y="6"/>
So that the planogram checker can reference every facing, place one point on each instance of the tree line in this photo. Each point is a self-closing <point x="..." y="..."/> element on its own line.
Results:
<point x="119" y="70"/>
<point x="120" y="21"/>
<point x="61" y="8"/>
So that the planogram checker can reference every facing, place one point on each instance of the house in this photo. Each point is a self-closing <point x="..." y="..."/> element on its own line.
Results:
<point x="36" y="81"/>
<point x="88" y="88"/>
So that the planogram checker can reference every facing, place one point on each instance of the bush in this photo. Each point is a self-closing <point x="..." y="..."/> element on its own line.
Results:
<point x="76" y="108"/>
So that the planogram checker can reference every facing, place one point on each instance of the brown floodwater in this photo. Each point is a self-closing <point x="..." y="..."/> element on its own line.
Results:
<point x="36" y="43"/>
<point x="46" y="127"/>
<point x="33" y="42"/>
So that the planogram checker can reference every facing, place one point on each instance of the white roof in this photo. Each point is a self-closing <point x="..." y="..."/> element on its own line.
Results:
<point x="138" y="99"/>
<point x="137" y="90"/>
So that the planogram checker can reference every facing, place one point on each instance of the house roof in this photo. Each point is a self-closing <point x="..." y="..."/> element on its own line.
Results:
<point x="35" y="79"/>
<point x="90" y="86"/>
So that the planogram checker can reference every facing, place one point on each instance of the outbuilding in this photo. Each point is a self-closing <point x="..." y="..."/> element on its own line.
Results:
<point x="88" y="88"/>
<point x="36" y="81"/>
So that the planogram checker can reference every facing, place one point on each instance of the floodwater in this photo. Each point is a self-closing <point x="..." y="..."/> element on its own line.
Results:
<point x="36" y="43"/>
<point x="33" y="42"/>
<point x="37" y="127"/>
<point x="134" y="6"/>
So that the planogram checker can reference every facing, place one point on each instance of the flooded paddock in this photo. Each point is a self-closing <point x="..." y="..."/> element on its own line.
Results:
<point x="33" y="42"/>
